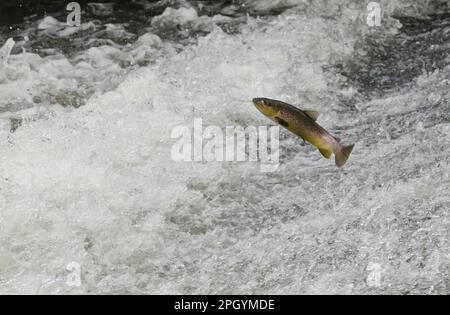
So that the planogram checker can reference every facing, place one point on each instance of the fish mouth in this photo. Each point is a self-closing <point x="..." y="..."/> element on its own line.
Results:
<point x="259" y="101"/>
<point x="264" y="107"/>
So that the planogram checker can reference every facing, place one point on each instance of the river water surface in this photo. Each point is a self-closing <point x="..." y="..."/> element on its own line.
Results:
<point x="86" y="174"/>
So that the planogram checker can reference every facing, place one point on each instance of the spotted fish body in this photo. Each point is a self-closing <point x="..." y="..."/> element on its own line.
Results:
<point x="303" y="124"/>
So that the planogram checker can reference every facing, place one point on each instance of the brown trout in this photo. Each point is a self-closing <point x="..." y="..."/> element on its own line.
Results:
<point x="303" y="124"/>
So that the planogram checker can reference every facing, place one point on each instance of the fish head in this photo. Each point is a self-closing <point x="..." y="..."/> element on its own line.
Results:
<point x="266" y="107"/>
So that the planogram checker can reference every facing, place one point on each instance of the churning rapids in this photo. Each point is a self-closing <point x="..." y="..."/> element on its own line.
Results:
<point x="86" y="174"/>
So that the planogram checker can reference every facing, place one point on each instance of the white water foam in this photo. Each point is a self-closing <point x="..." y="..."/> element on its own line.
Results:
<point x="96" y="185"/>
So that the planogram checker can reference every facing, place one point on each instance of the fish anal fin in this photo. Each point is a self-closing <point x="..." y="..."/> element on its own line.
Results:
<point x="326" y="153"/>
<point x="312" y="114"/>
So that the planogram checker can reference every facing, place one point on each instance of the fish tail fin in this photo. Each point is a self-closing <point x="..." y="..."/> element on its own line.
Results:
<point x="343" y="155"/>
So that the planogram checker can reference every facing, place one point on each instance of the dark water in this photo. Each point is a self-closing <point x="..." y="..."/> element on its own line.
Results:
<point x="19" y="16"/>
<point x="390" y="62"/>
<point x="382" y="62"/>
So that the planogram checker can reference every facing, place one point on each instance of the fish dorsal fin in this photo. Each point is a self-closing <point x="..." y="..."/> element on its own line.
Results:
<point x="312" y="114"/>
<point x="337" y="139"/>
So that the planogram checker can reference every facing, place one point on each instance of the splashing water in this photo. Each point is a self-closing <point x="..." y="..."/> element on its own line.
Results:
<point x="86" y="174"/>
<point x="5" y="51"/>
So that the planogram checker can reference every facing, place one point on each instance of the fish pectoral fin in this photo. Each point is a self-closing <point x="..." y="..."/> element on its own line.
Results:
<point x="303" y="142"/>
<point x="282" y="122"/>
<point x="312" y="114"/>
<point x="326" y="153"/>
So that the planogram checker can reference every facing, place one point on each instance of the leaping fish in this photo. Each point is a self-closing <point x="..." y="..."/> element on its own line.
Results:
<point x="303" y="124"/>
